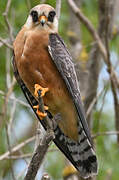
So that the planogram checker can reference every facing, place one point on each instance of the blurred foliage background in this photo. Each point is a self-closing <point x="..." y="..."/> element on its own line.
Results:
<point x="17" y="121"/>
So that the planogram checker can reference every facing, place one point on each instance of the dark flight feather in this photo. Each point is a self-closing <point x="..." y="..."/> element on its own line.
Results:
<point x="63" y="61"/>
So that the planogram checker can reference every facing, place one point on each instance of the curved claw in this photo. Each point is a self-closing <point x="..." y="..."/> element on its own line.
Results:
<point x="37" y="107"/>
<point x="43" y="90"/>
<point x="41" y="114"/>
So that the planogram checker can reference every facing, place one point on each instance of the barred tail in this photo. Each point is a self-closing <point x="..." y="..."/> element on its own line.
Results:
<point x="80" y="153"/>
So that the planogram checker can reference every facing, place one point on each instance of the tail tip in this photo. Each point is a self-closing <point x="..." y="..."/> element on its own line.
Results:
<point x="89" y="167"/>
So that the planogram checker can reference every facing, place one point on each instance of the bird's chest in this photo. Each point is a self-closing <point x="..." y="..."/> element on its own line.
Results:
<point x="37" y="67"/>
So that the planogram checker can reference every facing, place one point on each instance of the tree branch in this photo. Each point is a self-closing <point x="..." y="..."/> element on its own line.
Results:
<point x="17" y="148"/>
<point x="38" y="156"/>
<point x="43" y="144"/>
<point x="9" y="148"/>
<point x="89" y="26"/>
<point x="58" y="8"/>
<point x="109" y="64"/>
<point x="6" y="43"/>
<point x="5" y="14"/>
<point x="94" y="34"/>
<point x="105" y="134"/>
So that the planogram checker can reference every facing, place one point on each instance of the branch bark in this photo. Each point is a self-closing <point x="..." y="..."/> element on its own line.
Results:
<point x="94" y="34"/>
<point x="39" y="156"/>
<point x="94" y="63"/>
<point x="112" y="80"/>
<point x="43" y="145"/>
<point x="58" y="8"/>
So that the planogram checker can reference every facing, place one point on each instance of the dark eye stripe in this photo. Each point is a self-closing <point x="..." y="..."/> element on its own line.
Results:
<point x="34" y="15"/>
<point x="51" y="16"/>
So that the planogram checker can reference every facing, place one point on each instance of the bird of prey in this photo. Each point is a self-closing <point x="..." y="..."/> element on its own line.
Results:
<point x="42" y="62"/>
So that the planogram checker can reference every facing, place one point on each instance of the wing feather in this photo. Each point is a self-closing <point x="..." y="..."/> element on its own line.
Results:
<point x="63" y="61"/>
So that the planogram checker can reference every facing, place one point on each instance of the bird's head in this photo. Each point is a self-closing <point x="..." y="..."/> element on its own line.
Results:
<point x="43" y="16"/>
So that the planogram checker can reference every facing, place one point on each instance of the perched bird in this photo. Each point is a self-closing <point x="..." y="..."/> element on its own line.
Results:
<point x="42" y="62"/>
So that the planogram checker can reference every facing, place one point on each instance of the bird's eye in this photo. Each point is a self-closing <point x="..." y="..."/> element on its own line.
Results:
<point x="51" y="16"/>
<point x="34" y="15"/>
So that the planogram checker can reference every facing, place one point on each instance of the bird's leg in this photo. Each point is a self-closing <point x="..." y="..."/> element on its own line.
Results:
<point x="39" y="93"/>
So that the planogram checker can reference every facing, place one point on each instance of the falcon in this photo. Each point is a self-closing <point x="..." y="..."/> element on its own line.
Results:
<point x="42" y="62"/>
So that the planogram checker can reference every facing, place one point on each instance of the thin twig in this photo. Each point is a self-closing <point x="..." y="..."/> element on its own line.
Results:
<point x="15" y="99"/>
<point x="9" y="148"/>
<point x="58" y="8"/>
<point x="89" y="26"/>
<point x="19" y="156"/>
<point x="94" y="34"/>
<point x="101" y="109"/>
<point x="107" y="133"/>
<point x="28" y="3"/>
<point x="7" y="7"/>
<point x="10" y="90"/>
<point x="9" y="86"/>
<point x="12" y="113"/>
<point x="112" y="80"/>
<point x="93" y="103"/>
<point x="5" y="14"/>
<point x="17" y="148"/>
<point x="8" y="67"/>
<point x="5" y="42"/>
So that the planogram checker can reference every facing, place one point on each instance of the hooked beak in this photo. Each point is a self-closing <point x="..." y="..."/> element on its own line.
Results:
<point x="42" y="20"/>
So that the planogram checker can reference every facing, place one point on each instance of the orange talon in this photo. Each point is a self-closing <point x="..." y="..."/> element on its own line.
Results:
<point x="36" y="107"/>
<point x="41" y="114"/>
<point x="43" y="90"/>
